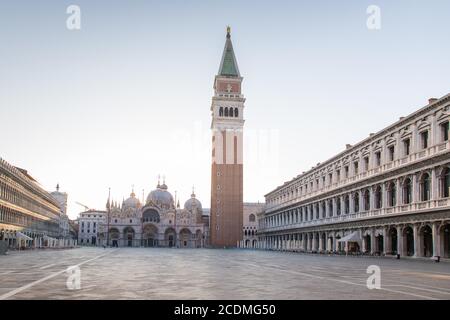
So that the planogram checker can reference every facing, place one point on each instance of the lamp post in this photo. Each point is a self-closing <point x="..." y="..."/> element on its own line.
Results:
<point x="108" y="207"/>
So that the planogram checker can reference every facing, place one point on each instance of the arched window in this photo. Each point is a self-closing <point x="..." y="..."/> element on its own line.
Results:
<point x="338" y="206"/>
<point x="366" y="200"/>
<point x="445" y="183"/>
<point x="251" y="218"/>
<point x="231" y="112"/>
<point x="330" y="208"/>
<point x="407" y="191"/>
<point x="392" y="194"/>
<point x="378" y="198"/>
<point x="323" y="209"/>
<point x="221" y="112"/>
<point x="236" y="112"/>
<point x="425" y="187"/>
<point x="347" y="204"/>
<point x="356" y="202"/>
<point x="226" y="112"/>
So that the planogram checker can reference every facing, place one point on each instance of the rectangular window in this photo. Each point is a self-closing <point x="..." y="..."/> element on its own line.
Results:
<point x="366" y="163"/>
<point x="407" y="146"/>
<point x="346" y="171"/>
<point x="424" y="139"/>
<point x="391" y="151"/>
<point x="338" y="175"/>
<point x="355" y="167"/>
<point x="444" y="131"/>
<point x="378" y="158"/>
<point x="330" y="178"/>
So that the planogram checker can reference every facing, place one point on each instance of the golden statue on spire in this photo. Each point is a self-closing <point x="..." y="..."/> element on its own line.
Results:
<point x="228" y="30"/>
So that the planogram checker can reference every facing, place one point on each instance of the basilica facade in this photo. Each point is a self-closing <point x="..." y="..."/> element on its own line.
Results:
<point x="158" y="222"/>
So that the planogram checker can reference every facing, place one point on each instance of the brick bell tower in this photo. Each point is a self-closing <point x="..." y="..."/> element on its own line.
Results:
<point x="227" y="159"/>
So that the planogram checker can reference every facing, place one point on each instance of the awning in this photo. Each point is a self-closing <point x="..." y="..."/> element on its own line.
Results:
<point x="22" y="236"/>
<point x="352" y="237"/>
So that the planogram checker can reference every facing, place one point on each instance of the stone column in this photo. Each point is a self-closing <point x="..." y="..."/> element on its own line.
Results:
<point x="400" y="248"/>
<point x="386" y="241"/>
<point x="436" y="240"/>
<point x="363" y="242"/>
<point x="314" y="237"/>
<point x="373" y="242"/>
<point x="417" y="244"/>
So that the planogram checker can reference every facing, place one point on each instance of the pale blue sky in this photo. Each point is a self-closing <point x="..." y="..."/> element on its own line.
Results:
<point x="127" y="97"/>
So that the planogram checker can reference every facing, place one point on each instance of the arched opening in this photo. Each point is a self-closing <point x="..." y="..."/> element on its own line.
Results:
<point x="338" y="206"/>
<point x="150" y="236"/>
<point x="226" y="112"/>
<point x="444" y="183"/>
<point x="254" y="244"/>
<point x="150" y="215"/>
<point x="128" y="234"/>
<point x="339" y="247"/>
<point x="199" y="238"/>
<point x="251" y="218"/>
<point x="356" y="202"/>
<point x="221" y="112"/>
<point x="170" y="237"/>
<point x="324" y="241"/>
<point x="425" y="183"/>
<point x="426" y="237"/>
<point x="247" y="243"/>
<point x="236" y="112"/>
<point x="114" y="235"/>
<point x="392" y="195"/>
<point x="407" y="191"/>
<point x="185" y="238"/>
<point x="394" y="240"/>
<point x="231" y="112"/>
<point x="445" y="240"/>
<point x="346" y="204"/>
<point x="378" y="198"/>
<point x="330" y="208"/>
<point x="408" y="237"/>
<point x="368" y="241"/>
<point x="379" y="244"/>
<point x="366" y="200"/>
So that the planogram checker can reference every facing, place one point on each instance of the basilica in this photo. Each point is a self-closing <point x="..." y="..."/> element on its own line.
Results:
<point x="157" y="222"/>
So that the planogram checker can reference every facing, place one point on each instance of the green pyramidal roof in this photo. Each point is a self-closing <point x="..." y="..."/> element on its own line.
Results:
<point x="228" y="65"/>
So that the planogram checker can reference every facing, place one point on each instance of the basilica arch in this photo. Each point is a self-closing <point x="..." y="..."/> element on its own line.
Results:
<point x="150" y="215"/>
<point x="150" y="235"/>
<point x="185" y="238"/>
<point x="129" y="236"/>
<point x="170" y="237"/>
<point x="114" y="236"/>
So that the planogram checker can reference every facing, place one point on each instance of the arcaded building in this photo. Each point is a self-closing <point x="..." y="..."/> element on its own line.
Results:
<point x="386" y="195"/>
<point x="29" y="215"/>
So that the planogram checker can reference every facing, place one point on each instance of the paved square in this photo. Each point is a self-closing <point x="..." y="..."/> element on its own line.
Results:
<point x="157" y="273"/>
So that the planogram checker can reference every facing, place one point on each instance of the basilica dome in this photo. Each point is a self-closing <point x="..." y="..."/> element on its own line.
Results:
<point x="161" y="197"/>
<point x="193" y="203"/>
<point x="131" y="202"/>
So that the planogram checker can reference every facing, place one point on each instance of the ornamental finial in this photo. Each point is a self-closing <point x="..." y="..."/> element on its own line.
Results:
<point x="228" y="31"/>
